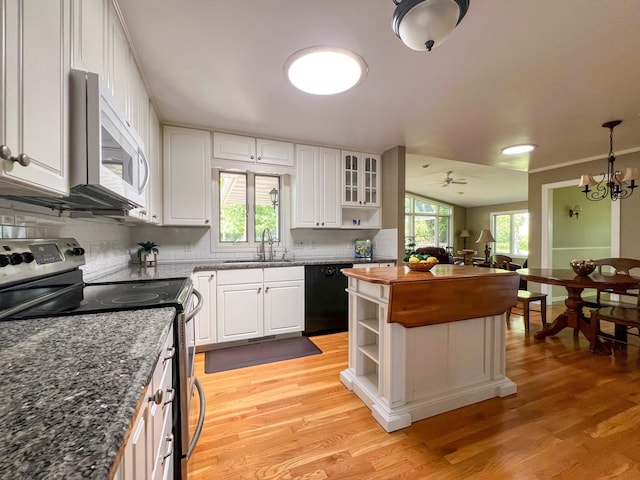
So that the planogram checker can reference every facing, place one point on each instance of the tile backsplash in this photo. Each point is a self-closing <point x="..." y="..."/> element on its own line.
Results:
<point x="111" y="244"/>
<point x="107" y="241"/>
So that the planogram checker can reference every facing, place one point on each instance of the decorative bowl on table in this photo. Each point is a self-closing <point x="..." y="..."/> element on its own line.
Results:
<point x="583" y="267"/>
<point x="422" y="266"/>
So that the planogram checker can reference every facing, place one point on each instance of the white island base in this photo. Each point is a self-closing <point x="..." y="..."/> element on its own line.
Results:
<point x="440" y="368"/>
<point x="407" y="374"/>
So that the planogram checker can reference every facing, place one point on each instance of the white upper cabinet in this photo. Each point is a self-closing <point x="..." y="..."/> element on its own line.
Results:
<point x="186" y="176"/>
<point x="154" y="150"/>
<point x="361" y="176"/>
<point x="116" y="62"/>
<point x="252" y="150"/>
<point x="87" y="35"/>
<point x="274" y="152"/>
<point x="317" y="188"/>
<point x="34" y="96"/>
<point x="138" y="104"/>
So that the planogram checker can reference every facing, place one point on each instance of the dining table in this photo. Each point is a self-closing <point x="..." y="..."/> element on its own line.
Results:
<point x="573" y="315"/>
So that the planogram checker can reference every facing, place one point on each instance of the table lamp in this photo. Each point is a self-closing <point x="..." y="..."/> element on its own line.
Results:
<point x="486" y="237"/>
<point x="464" y="235"/>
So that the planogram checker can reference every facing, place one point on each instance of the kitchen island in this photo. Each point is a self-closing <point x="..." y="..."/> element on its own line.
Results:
<point x="423" y="343"/>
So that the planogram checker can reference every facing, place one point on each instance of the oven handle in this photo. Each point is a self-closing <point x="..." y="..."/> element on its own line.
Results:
<point x="194" y="311"/>
<point x="198" y="431"/>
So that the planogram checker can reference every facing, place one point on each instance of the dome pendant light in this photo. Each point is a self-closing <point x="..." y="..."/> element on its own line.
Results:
<point x="424" y="24"/>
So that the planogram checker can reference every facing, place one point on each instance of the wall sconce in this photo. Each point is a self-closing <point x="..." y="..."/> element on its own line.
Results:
<point x="274" y="197"/>
<point x="575" y="211"/>
<point x="464" y="235"/>
<point x="486" y="237"/>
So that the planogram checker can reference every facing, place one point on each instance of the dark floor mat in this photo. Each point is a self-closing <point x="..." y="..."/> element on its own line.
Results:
<point x="258" y="353"/>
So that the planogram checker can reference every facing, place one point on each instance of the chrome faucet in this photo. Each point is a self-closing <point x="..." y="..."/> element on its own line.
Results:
<point x="263" y="253"/>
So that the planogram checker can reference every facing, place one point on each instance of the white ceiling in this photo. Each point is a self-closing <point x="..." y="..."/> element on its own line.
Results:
<point x="547" y="72"/>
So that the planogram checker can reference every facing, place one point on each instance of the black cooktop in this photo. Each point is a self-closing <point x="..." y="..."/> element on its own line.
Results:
<point x="113" y="296"/>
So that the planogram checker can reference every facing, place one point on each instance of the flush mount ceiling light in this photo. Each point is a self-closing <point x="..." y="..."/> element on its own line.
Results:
<point x="424" y="24"/>
<point x="325" y="70"/>
<point x="517" y="149"/>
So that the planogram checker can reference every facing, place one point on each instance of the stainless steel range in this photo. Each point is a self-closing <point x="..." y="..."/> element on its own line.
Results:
<point x="41" y="278"/>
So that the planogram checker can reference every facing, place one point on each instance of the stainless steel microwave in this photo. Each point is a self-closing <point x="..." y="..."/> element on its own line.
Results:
<point x="107" y="156"/>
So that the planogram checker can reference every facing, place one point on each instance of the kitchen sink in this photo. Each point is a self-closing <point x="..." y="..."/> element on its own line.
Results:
<point x="255" y="262"/>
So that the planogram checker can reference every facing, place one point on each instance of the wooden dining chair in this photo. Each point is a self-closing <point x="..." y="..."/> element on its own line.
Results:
<point x="501" y="261"/>
<point x="624" y="315"/>
<point x="616" y="266"/>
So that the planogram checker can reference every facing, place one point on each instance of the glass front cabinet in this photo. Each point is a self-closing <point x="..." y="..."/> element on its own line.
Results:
<point x="360" y="179"/>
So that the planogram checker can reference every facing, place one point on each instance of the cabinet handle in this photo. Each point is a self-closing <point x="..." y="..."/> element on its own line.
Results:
<point x="259" y="289"/>
<point x="154" y="216"/>
<point x="171" y="393"/>
<point x="206" y="222"/>
<point x="253" y="157"/>
<point x="212" y="276"/>
<point x="323" y="224"/>
<point x="317" y="224"/>
<point x="169" y="438"/>
<point x="22" y="158"/>
<point x="157" y="397"/>
<point x="143" y="212"/>
<point x="171" y="351"/>
<point x="266" y="290"/>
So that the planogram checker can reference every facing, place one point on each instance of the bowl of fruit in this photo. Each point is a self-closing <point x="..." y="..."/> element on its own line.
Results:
<point x="421" y="263"/>
<point x="583" y="267"/>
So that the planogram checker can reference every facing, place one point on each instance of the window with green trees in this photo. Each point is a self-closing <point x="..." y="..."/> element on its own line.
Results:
<point x="427" y="222"/>
<point x="511" y="231"/>
<point x="246" y="208"/>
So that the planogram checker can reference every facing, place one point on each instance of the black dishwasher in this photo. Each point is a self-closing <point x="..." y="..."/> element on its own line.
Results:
<point x="325" y="299"/>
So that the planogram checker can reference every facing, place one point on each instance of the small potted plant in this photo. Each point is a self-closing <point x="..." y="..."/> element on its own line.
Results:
<point x="148" y="254"/>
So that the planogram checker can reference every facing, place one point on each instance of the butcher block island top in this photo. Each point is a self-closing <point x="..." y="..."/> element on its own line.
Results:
<point x="423" y="343"/>
<point x="416" y="298"/>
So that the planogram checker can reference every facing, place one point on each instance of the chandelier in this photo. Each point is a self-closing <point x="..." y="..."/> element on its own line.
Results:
<point x="612" y="183"/>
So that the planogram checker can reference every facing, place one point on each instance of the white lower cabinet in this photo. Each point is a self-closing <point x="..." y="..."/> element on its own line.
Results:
<point x="283" y="300"/>
<point x="252" y="303"/>
<point x="148" y="453"/>
<point x="205" y="283"/>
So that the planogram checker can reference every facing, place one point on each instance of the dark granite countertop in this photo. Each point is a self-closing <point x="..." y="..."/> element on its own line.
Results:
<point x="175" y="270"/>
<point x="71" y="386"/>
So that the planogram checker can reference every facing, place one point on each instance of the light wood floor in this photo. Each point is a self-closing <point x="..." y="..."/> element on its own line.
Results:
<point x="576" y="416"/>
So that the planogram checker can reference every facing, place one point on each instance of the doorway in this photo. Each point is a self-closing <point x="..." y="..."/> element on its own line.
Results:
<point x="593" y="233"/>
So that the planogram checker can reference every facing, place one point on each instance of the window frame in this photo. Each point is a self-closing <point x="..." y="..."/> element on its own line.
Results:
<point x="511" y="214"/>
<point x="437" y="215"/>
<point x="250" y="244"/>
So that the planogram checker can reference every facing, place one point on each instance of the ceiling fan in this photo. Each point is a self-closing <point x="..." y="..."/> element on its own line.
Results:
<point x="448" y="180"/>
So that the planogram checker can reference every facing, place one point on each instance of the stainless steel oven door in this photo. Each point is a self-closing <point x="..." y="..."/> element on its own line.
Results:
<point x="190" y="432"/>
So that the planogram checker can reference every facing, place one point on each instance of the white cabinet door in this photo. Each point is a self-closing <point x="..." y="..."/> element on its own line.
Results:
<point x="136" y="461"/>
<point x="117" y="62"/>
<point x="283" y="307"/>
<point x="234" y="147"/>
<point x="205" y="283"/>
<point x="154" y="190"/>
<point x="274" y="152"/>
<point x="34" y="94"/>
<point x="138" y="107"/>
<point x="87" y="32"/>
<point x="317" y="194"/>
<point x="239" y="311"/>
<point x="186" y="176"/>
<point x="329" y="191"/>
<point x="361" y="175"/>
